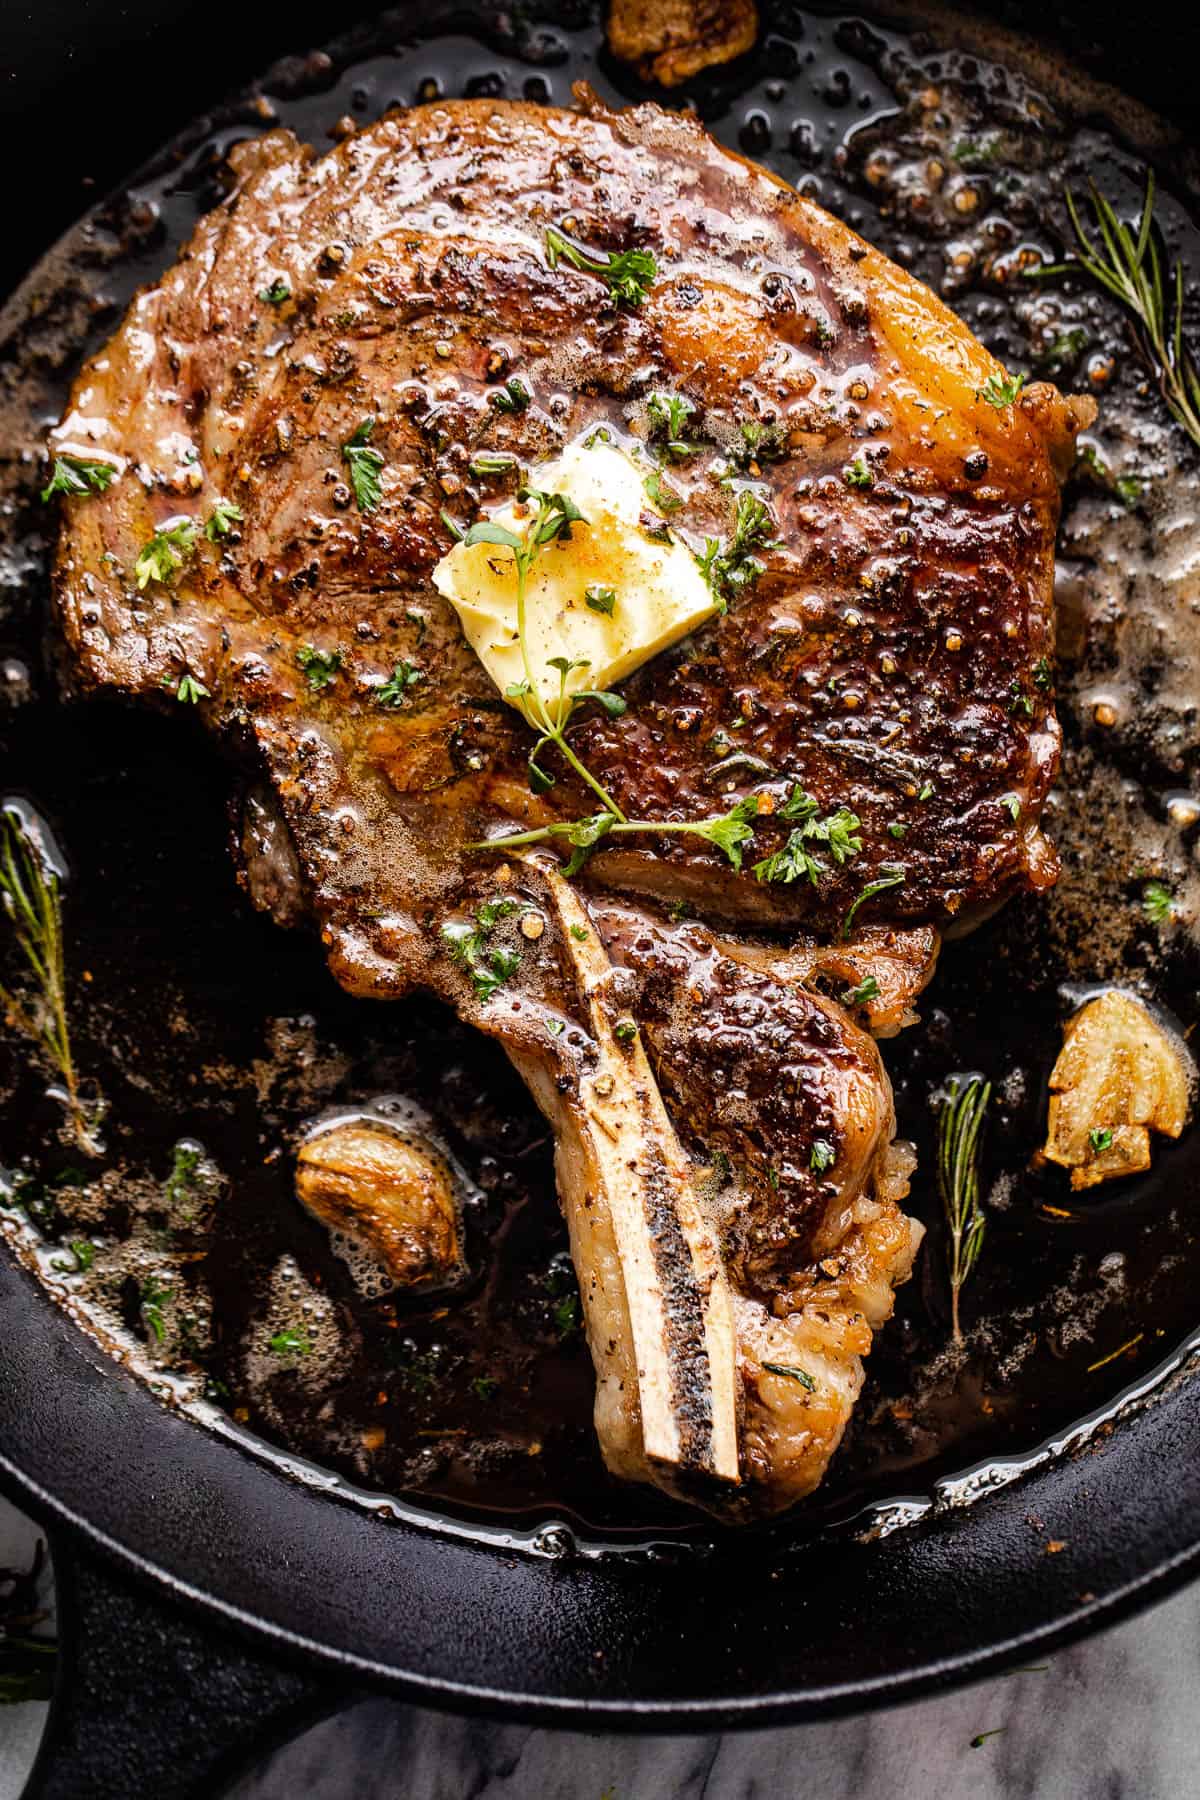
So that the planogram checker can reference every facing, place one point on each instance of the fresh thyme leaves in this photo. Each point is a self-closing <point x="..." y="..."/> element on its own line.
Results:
<point x="1043" y="674"/>
<point x="1100" y="1138"/>
<point x="600" y="599"/>
<point x="1012" y="806"/>
<point x="276" y="294"/>
<point x="189" y="689"/>
<point x="822" y="1157"/>
<point x="629" y="274"/>
<point x="665" y="498"/>
<point x="625" y="1030"/>
<point x="566" y="1315"/>
<point x="795" y="860"/>
<point x="319" y="667"/>
<point x="153" y="1296"/>
<point x="1001" y="390"/>
<point x="364" y="463"/>
<point x="492" y="462"/>
<point x="181" y="1182"/>
<point x="1158" y="903"/>
<point x="981" y="1737"/>
<point x="729" y="568"/>
<point x="484" y="1386"/>
<point x="395" y="690"/>
<point x="30" y="898"/>
<point x="513" y="397"/>
<point x="83" y="1255"/>
<point x="857" y="474"/>
<point x="860" y="995"/>
<point x="729" y="833"/>
<point x="668" y="416"/>
<point x="172" y="545"/>
<point x="1019" y="701"/>
<point x="579" y="933"/>
<point x="289" y="1342"/>
<point x="75" y="475"/>
<point x="792" y="1373"/>
<point x="221" y="521"/>
<point x="887" y="878"/>
<point x="960" y="1125"/>
<point x="1129" y="266"/>
<point x="488" y="968"/>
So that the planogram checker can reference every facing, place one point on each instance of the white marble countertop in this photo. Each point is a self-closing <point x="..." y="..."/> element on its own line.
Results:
<point x="1115" y="1718"/>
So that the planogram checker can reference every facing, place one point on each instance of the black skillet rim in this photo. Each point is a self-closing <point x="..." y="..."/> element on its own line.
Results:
<point x="746" y="1638"/>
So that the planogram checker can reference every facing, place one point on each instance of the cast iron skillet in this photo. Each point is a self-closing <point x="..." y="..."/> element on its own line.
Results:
<point x="207" y="1599"/>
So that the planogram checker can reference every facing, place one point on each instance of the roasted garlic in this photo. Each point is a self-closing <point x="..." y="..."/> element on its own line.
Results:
<point x="1119" y="1075"/>
<point x="391" y="1195"/>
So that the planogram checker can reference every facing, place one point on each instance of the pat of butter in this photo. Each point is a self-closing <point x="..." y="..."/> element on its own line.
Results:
<point x="660" y="594"/>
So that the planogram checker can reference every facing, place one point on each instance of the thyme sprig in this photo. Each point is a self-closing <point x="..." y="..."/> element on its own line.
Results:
<point x="629" y="274"/>
<point x="1129" y="265"/>
<point x="31" y="901"/>
<point x="960" y="1127"/>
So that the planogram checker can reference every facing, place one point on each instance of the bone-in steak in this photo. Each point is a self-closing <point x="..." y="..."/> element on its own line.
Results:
<point x="890" y="654"/>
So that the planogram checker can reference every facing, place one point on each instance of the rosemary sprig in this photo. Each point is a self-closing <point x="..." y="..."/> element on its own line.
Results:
<point x="960" y="1125"/>
<point x="1129" y="266"/>
<point x="30" y="897"/>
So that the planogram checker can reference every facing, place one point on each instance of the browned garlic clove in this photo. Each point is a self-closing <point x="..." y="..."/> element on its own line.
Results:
<point x="394" y="1197"/>
<point x="1119" y="1076"/>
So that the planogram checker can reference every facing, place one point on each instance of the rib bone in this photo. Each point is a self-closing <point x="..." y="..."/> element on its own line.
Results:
<point x="657" y="1303"/>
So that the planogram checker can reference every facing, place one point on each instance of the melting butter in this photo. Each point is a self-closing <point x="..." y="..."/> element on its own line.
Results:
<point x="620" y="589"/>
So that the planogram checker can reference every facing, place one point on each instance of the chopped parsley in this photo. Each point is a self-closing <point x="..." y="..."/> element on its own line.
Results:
<point x="364" y="463"/>
<point x="488" y="968"/>
<point x="1001" y="390"/>
<point x="221" y="521"/>
<point x="394" y="691"/>
<point x="628" y="274"/>
<point x="170" y="547"/>
<point x="75" y="475"/>
<point x="669" y="415"/>
<point x="729" y="569"/>
<point x="319" y="667"/>
<point x="600" y="599"/>
<point x="796" y="860"/>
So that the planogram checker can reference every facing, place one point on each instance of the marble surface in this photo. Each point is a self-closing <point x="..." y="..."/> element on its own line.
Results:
<point x="1115" y="1718"/>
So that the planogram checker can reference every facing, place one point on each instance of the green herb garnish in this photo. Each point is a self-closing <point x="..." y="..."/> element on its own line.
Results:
<point x="793" y="1374"/>
<point x="488" y="968"/>
<point x="600" y="599"/>
<point x="728" y="569"/>
<point x="1001" y="390"/>
<point x="822" y="1157"/>
<point x="75" y="475"/>
<point x="171" y="546"/>
<point x="628" y="274"/>
<point x="857" y="474"/>
<point x="319" y="667"/>
<point x="289" y="1343"/>
<point x="796" y="859"/>
<point x="860" y="995"/>
<point x="31" y="903"/>
<point x="887" y="878"/>
<point x="221" y="521"/>
<point x="1100" y="1138"/>
<point x="960" y="1125"/>
<point x="1158" y="903"/>
<point x="276" y="294"/>
<point x="513" y="397"/>
<point x="395" y="690"/>
<point x="669" y="415"/>
<point x="364" y="464"/>
<point x="664" y="498"/>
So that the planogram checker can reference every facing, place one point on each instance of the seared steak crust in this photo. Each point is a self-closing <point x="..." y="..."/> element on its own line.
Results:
<point x="892" y="656"/>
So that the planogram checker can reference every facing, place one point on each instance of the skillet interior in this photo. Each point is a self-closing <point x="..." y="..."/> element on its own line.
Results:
<point x="215" y="977"/>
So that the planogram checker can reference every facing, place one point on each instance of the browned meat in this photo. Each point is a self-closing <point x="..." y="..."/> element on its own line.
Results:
<point x="670" y="40"/>
<point x="891" y="657"/>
